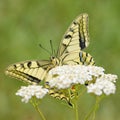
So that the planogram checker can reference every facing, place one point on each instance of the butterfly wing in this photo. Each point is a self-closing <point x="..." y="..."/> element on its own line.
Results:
<point x="29" y="71"/>
<point x="74" y="41"/>
<point x="76" y="37"/>
<point x="75" y="58"/>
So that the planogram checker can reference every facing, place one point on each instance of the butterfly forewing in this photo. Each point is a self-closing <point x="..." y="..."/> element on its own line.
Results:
<point x="29" y="71"/>
<point x="76" y="37"/>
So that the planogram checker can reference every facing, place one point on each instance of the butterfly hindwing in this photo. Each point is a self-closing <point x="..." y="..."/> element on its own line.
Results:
<point x="75" y="58"/>
<point x="29" y="71"/>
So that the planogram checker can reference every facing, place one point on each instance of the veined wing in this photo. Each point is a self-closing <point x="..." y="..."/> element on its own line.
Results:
<point x="76" y="37"/>
<point x="60" y="94"/>
<point x="74" y="58"/>
<point x="29" y="71"/>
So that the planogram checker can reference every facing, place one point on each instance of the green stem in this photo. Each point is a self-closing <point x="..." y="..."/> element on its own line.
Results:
<point x="94" y="109"/>
<point x="38" y="110"/>
<point x="76" y="111"/>
<point x="75" y="100"/>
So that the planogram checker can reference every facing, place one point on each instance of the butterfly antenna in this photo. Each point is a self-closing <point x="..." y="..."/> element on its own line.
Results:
<point x="45" y="49"/>
<point x="53" y="53"/>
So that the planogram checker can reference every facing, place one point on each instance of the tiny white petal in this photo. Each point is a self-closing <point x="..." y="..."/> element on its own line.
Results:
<point x="94" y="89"/>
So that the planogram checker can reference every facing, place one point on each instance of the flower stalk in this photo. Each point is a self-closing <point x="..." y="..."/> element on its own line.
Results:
<point x="76" y="111"/>
<point x="35" y="104"/>
<point x="92" y="112"/>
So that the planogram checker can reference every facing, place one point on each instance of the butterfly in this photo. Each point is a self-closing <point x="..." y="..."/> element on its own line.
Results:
<point x="75" y="39"/>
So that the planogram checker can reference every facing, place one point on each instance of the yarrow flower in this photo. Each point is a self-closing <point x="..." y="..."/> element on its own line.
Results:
<point x="104" y="84"/>
<point x="65" y="76"/>
<point x="27" y="92"/>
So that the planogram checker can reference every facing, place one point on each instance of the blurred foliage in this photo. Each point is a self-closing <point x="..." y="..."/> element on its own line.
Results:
<point x="26" y="23"/>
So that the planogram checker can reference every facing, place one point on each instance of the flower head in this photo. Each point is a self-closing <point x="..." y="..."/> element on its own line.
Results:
<point x="104" y="84"/>
<point x="27" y="92"/>
<point x="98" y="82"/>
<point x="66" y="75"/>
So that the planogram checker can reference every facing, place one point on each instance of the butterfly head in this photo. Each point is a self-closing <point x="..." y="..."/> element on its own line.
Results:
<point x="55" y="61"/>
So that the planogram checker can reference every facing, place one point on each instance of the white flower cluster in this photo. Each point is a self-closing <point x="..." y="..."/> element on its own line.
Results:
<point x="104" y="84"/>
<point x="27" y="92"/>
<point x="65" y="76"/>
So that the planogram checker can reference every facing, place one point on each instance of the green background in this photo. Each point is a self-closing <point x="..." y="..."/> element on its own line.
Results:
<point x="26" y="23"/>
